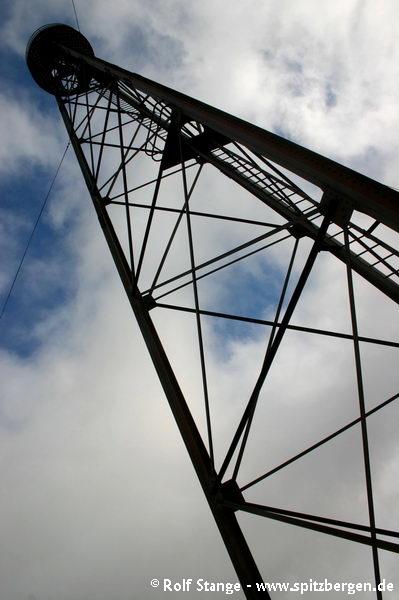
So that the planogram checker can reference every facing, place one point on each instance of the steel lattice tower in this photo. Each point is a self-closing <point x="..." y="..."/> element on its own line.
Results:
<point x="115" y="119"/>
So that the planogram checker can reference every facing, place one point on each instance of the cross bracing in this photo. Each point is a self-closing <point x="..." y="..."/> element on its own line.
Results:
<point x="144" y="151"/>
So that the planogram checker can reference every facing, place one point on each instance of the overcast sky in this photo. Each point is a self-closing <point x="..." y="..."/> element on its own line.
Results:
<point x="98" y="495"/>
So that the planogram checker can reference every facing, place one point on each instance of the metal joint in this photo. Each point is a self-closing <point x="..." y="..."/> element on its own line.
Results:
<point x="228" y="492"/>
<point x="148" y="302"/>
<point x="298" y="230"/>
<point x="339" y="207"/>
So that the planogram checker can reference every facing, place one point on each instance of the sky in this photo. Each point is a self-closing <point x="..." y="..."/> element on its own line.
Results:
<point x="98" y="495"/>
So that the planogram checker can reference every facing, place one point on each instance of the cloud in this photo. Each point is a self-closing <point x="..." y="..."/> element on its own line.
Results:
<point x="99" y="493"/>
<point x="29" y="138"/>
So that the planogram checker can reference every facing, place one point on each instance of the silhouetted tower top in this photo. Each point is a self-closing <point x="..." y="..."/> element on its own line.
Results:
<point x="46" y="59"/>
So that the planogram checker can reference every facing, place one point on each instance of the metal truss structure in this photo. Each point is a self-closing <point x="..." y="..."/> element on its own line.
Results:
<point x="131" y="135"/>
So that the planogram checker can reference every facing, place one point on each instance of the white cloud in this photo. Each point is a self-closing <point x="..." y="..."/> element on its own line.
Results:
<point x="99" y="494"/>
<point x="29" y="138"/>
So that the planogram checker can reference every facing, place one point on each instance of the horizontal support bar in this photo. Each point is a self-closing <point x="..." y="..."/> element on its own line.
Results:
<point x="258" y="509"/>
<point x="337" y="334"/>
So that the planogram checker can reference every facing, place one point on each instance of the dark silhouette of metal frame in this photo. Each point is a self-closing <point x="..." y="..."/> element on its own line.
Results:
<point x="181" y="134"/>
